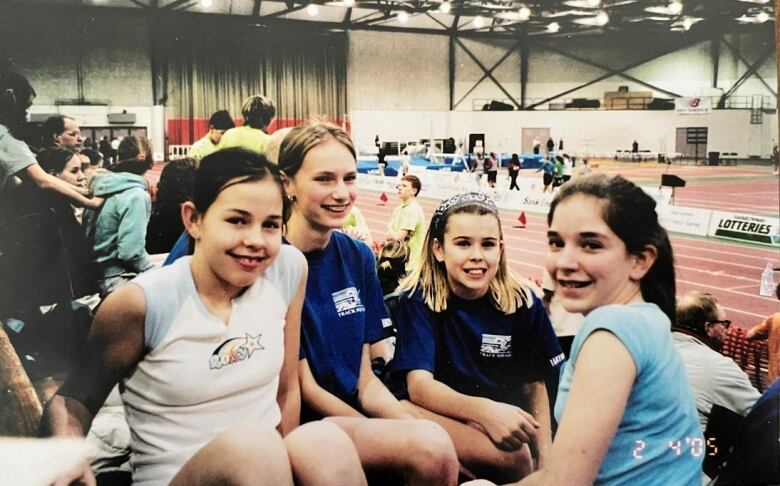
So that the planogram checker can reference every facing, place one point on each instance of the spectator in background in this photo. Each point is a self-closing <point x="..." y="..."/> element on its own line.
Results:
<point x="219" y="122"/>
<point x="258" y="112"/>
<point x="568" y="168"/>
<point x="17" y="162"/>
<point x="165" y="223"/>
<point x="770" y="329"/>
<point x="548" y="171"/>
<point x="717" y="381"/>
<point x="117" y="233"/>
<point x="491" y="169"/>
<point x="62" y="131"/>
<point x="550" y="147"/>
<point x="95" y="162"/>
<point x="407" y="223"/>
<point x="514" y="171"/>
<point x="391" y="265"/>
<point x="756" y="456"/>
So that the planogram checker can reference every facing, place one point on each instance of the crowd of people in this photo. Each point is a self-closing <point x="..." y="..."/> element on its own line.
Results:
<point x="280" y="343"/>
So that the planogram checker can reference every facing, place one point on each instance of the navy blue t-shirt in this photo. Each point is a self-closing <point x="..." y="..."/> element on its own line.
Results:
<point x="342" y="311"/>
<point x="474" y="348"/>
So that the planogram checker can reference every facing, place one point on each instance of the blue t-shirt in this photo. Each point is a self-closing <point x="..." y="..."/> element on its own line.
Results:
<point x="342" y="311"/>
<point x="658" y="440"/>
<point x="474" y="348"/>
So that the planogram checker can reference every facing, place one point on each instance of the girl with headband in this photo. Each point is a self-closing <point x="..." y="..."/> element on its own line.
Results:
<point x="475" y="344"/>
<point x="625" y="409"/>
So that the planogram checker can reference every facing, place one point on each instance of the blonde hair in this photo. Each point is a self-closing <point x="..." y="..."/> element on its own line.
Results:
<point x="301" y="139"/>
<point x="508" y="292"/>
<point x="393" y="249"/>
<point x="274" y="144"/>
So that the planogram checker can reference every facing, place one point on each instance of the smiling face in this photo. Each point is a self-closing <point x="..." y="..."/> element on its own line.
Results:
<point x="240" y="234"/>
<point x="324" y="188"/>
<point x="588" y="261"/>
<point x="72" y="173"/>
<point x="471" y="252"/>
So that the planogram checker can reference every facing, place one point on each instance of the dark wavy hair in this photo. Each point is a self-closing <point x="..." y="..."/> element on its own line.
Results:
<point x="54" y="159"/>
<point x="630" y="213"/>
<point x="230" y="166"/>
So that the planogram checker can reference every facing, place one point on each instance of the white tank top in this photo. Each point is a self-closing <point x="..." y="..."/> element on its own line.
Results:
<point x="200" y="377"/>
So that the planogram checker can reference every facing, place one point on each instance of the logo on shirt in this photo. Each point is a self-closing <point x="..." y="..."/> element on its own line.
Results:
<point x="496" y="346"/>
<point x="554" y="361"/>
<point x="234" y="350"/>
<point x="347" y="301"/>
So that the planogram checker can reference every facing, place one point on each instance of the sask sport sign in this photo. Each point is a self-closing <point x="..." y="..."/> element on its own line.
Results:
<point x="744" y="227"/>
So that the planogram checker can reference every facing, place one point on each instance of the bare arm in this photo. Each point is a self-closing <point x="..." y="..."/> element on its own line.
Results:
<point x="507" y="426"/>
<point x="400" y="235"/>
<point x="114" y="346"/>
<point x="600" y="388"/>
<point x="289" y="394"/>
<point x="47" y="182"/>
<point x="539" y="407"/>
<point x="319" y="399"/>
<point x="760" y="331"/>
<point x="375" y="398"/>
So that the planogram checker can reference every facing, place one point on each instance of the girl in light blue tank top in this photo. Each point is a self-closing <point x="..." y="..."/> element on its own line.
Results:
<point x="625" y="410"/>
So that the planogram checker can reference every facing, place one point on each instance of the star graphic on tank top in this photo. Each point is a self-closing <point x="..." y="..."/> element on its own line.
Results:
<point x="252" y="344"/>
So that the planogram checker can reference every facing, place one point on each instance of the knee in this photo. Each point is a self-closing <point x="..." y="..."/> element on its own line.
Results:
<point x="432" y="454"/>
<point x="323" y="437"/>
<point x="254" y="444"/>
<point x="513" y="466"/>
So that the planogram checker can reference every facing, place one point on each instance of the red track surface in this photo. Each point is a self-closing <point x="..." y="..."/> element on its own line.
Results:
<point x="729" y="271"/>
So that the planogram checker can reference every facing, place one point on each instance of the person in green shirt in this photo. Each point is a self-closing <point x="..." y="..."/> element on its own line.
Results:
<point x="219" y="122"/>
<point x="258" y="111"/>
<point x="407" y="223"/>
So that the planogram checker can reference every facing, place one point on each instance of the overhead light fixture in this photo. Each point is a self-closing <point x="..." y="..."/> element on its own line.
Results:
<point x="553" y="27"/>
<point x="687" y="23"/>
<point x="312" y="10"/>
<point x="349" y="3"/>
<point x="602" y="18"/>
<point x="524" y="13"/>
<point x="675" y="8"/>
<point x="479" y="22"/>
<point x="207" y="3"/>
<point x="594" y="3"/>
<point x="762" y="17"/>
<point x="445" y="7"/>
<point x="403" y="17"/>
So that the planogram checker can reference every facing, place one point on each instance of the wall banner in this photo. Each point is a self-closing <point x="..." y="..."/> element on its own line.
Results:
<point x="745" y="227"/>
<point x="692" y="105"/>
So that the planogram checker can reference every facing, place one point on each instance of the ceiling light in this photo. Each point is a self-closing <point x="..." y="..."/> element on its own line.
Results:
<point x="349" y="3"/>
<point x="675" y="8"/>
<point x="312" y="10"/>
<point x="207" y="3"/>
<point x="762" y="17"/>
<point x="403" y="16"/>
<point x="445" y="7"/>
<point x="479" y="22"/>
<point x="524" y="12"/>
<point x="602" y="18"/>
<point x="594" y="3"/>
<point x="687" y="23"/>
<point x="553" y="27"/>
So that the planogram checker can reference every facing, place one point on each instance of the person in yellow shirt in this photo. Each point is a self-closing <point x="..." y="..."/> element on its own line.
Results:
<point x="407" y="223"/>
<point x="258" y="111"/>
<point x="219" y="122"/>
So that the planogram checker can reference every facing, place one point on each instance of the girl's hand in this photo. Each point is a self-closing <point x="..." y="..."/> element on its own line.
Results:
<point x="81" y="475"/>
<point x="508" y="427"/>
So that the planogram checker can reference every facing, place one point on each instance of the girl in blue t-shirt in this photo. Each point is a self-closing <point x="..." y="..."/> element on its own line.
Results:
<point x="344" y="314"/>
<point x="178" y="332"/>
<point x="625" y="410"/>
<point x="475" y="344"/>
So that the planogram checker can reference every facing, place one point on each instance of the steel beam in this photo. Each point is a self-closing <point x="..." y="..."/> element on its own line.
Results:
<point x="738" y="54"/>
<point x="488" y="73"/>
